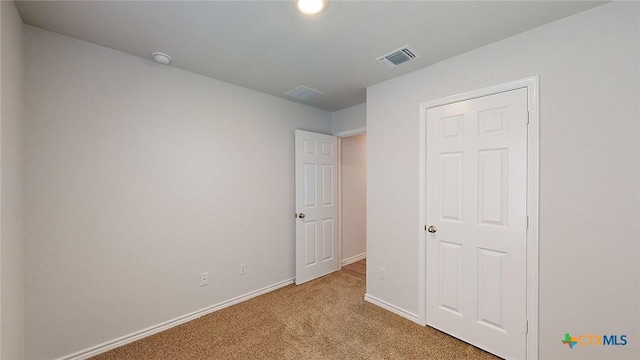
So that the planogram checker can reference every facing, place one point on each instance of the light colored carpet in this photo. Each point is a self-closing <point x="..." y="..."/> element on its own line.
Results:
<point x="323" y="319"/>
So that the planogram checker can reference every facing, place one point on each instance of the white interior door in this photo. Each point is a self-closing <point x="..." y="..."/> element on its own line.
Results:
<point x="316" y="205"/>
<point x="476" y="195"/>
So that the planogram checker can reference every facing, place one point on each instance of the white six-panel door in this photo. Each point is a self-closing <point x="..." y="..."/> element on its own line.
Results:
<point x="316" y="205"/>
<point x="476" y="201"/>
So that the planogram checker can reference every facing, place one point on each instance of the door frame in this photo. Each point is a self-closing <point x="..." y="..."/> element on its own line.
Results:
<point x="532" y="84"/>
<point x="340" y="135"/>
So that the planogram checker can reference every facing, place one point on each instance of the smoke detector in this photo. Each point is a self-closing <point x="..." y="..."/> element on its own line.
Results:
<point x="161" y="58"/>
<point x="398" y="57"/>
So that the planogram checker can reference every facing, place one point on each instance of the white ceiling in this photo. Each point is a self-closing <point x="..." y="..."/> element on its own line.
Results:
<point x="270" y="47"/>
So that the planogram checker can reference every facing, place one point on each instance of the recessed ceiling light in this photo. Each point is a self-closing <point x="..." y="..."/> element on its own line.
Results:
<point x="161" y="58"/>
<point x="311" y="7"/>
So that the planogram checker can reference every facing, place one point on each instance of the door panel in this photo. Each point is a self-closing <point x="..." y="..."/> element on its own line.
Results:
<point x="310" y="193"/>
<point x="316" y="198"/>
<point x="476" y="156"/>
<point x="492" y="187"/>
<point x="310" y="243"/>
<point x="450" y="280"/>
<point x="451" y="185"/>
<point x="327" y="183"/>
<point x="328" y="240"/>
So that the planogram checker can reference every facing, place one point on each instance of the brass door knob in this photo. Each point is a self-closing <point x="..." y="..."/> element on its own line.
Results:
<point x="432" y="229"/>
<point x="301" y="215"/>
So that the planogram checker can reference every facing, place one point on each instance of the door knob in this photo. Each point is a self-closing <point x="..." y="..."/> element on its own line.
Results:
<point x="432" y="229"/>
<point x="301" y="215"/>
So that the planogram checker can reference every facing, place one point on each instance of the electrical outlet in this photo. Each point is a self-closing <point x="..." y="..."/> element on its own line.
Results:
<point x="243" y="268"/>
<point x="383" y="273"/>
<point x="204" y="279"/>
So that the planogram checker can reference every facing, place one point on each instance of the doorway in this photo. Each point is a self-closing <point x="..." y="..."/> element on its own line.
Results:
<point x="352" y="214"/>
<point x="330" y="203"/>
<point x="316" y="239"/>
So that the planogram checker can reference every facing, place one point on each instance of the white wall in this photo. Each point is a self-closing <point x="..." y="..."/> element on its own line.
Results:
<point x="139" y="177"/>
<point x="354" y="195"/>
<point x="351" y="118"/>
<point x="589" y="172"/>
<point x="11" y="195"/>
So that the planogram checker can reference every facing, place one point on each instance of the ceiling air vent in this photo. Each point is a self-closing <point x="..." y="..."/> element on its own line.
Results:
<point x="303" y="93"/>
<point x="397" y="57"/>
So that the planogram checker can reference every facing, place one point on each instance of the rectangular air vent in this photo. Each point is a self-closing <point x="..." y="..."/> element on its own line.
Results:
<point x="398" y="57"/>
<point x="303" y="93"/>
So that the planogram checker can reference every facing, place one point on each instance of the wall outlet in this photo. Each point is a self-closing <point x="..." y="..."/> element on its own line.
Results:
<point x="204" y="279"/>
<point x="383" y="273"/>
<point x="243" y="268"/>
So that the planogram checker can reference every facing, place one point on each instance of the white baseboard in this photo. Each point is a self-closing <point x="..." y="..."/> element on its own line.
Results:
<point x="394" y="309"/>
<point x="353" y="259"/>
<point x="109" y="345"/>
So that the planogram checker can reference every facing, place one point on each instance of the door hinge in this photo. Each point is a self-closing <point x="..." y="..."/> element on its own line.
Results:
<point x="527" y="222"/>
<point x="526" y="330"/>
<point x="527" y="117"/>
